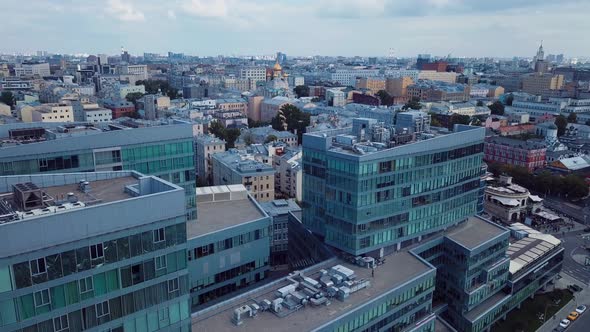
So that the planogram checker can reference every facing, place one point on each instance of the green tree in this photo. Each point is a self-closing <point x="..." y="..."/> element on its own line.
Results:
<point x="7" y="98"/>
<point x="434" y="122"/>
<point x="509" y="100"/>
<point x="497" y="108"/>
<point x="133" y="97"/>
<point x="479" y="103"/>
<point x="413" y="103"/>
<point x="301" y="91"/>
<point x="458" y="119"/>
<point x="385" y="98"/>
<point x="561" y="123"/>
<point x="270" y="138"/>
<point x="254" y="124"/>
<point x="572" y="118"/>
<point x="296" y="120"/>
<point x="156" y="86"/>
<point x="231" y="135"/>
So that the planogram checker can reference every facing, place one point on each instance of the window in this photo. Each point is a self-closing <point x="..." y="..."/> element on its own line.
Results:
<point x="102" y="309"/>
<point x="38" y="266"/>
<point x="163" y="314"/>
<point x="159" y="235"/>
<point x="86" y="285"/>
<point x="96" y="251"/>
<point x="61" y="323"/>
<point x="172" y="285"/>
<point x="42" y="298"/>
<point x="160" y="262"/>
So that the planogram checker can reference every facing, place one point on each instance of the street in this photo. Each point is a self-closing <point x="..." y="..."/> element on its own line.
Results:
<point x="572" y="243"/>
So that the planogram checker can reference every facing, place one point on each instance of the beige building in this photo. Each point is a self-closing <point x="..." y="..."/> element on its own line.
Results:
<point x="52" y="113"/>
<point x="538" y="83"/>
<point x="5" y="109"/>
<point x="239" y="105"/>
<point x="374" y="84"/>
<point x="254" y="104"/>
<point x="205" y="146"/>
<point x="238" y="167"/>
<point x="398" y="87"/>
<point x="4" y="71"/>
<point x="495" y="91"/>
<point x="433" y="75"/>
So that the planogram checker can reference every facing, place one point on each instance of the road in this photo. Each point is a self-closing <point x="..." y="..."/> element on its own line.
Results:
<point x="572" y="243"/>
<point x="581" y="324"/>
<point x="575" y="211"/>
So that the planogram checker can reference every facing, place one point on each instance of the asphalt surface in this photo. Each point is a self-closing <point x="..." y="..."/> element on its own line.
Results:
<point x="579" y="211"/>
<point x="573" y="244"/>
<point x="581" y="324"/>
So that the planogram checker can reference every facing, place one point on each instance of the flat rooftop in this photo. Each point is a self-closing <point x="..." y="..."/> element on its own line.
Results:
<point x="474" y="232"/>
<point x="105" y="191"/>
<point x="222" y="207"/>
<point x="398" y="269"/>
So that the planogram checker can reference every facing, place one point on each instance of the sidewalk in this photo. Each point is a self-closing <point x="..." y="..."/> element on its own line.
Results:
<point x="582" y="297"/>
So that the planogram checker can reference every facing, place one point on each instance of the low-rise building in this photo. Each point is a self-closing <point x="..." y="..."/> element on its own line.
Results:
<point x="236" y="167"/>
<point x="50" y="113"/>
<point x="433" y="75"/>
<point x="97" y="115"/>
<point x="529" y="154"/>
<point x="269" y="108"/>
<point x="335" y="97"/>
<point x="507" y="202"/>
<point x="229" y="244"/>
<point x="205" y="146"/>
<point x="538" y="83"/>
<point x="279" y="210"/>
<point x="119" y="107"/>
<point x="289" y="174"/>
<point x="438" y="91"/>
<point x="373" y="84"/>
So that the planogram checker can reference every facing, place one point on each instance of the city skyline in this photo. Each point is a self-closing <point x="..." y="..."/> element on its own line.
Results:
<point x="215" y="27"/>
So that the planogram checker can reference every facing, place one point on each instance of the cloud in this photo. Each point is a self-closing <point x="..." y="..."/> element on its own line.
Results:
<point x="171" y="14"/>
<point x="125" y="12"/>
<point x="206" y="8"/>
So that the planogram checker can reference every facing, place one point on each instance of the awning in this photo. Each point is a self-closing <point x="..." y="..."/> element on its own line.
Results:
<point x="507" y="201"/>
<point x="535" y="198"/>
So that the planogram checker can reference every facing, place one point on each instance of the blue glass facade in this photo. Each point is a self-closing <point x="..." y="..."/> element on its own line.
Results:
<point x="360" y="203"/>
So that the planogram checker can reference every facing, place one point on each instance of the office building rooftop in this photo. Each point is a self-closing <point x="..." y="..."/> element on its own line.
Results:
<point x="369" y="138"/>
<point x="32" y="196"/>
<point x="223" y="207"/>
<point x="475" y="232"/>
<point x="388" y="276"/>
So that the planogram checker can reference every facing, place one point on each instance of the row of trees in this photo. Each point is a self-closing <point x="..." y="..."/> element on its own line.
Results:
<point x="229" y="135"/>
<point x="570" y="186"/>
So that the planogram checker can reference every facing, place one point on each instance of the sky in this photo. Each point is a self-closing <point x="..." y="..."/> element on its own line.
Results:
<point x="471" y="28"/>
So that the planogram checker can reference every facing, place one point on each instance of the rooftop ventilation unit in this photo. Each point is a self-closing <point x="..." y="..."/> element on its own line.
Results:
<point x="27" y="196"/>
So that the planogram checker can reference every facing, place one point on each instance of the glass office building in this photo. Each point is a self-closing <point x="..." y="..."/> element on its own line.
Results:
<point x="164" y="151"/>
<point x="121" y="265"/>
<point x="366" y="188"/>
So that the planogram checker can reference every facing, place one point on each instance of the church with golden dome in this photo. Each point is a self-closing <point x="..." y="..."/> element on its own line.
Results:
<point x="277" y="83"/>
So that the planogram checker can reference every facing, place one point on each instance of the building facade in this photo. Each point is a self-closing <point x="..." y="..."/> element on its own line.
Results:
<point x="422" y="186"/>
<point x="515" y="152"/>
<point x="205" y="146"/>
<point x="229" y="246"/>
<point x="121" y="266"/>
<point x="164" y="151"/>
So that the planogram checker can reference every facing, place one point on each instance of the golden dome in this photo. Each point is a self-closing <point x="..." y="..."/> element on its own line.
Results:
<point x="277" y="66"/>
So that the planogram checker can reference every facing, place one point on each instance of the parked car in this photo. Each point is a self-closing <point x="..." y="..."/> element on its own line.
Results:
<point x="581" y="309"/>
<point x="559" y="329"/>
<point x="573" y="316"/>
<point x="574" y="288"/>
<point x="564" y="323"/>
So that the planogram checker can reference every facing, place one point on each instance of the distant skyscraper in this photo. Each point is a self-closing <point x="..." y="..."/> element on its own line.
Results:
<point x="125" y="56"/>
<point x="281" y="58"/>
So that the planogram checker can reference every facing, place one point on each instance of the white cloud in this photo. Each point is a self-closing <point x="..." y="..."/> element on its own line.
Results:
<point x="171" y="14"/>
<point x="206" y="8"/>
<point x="124" y="11"/>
